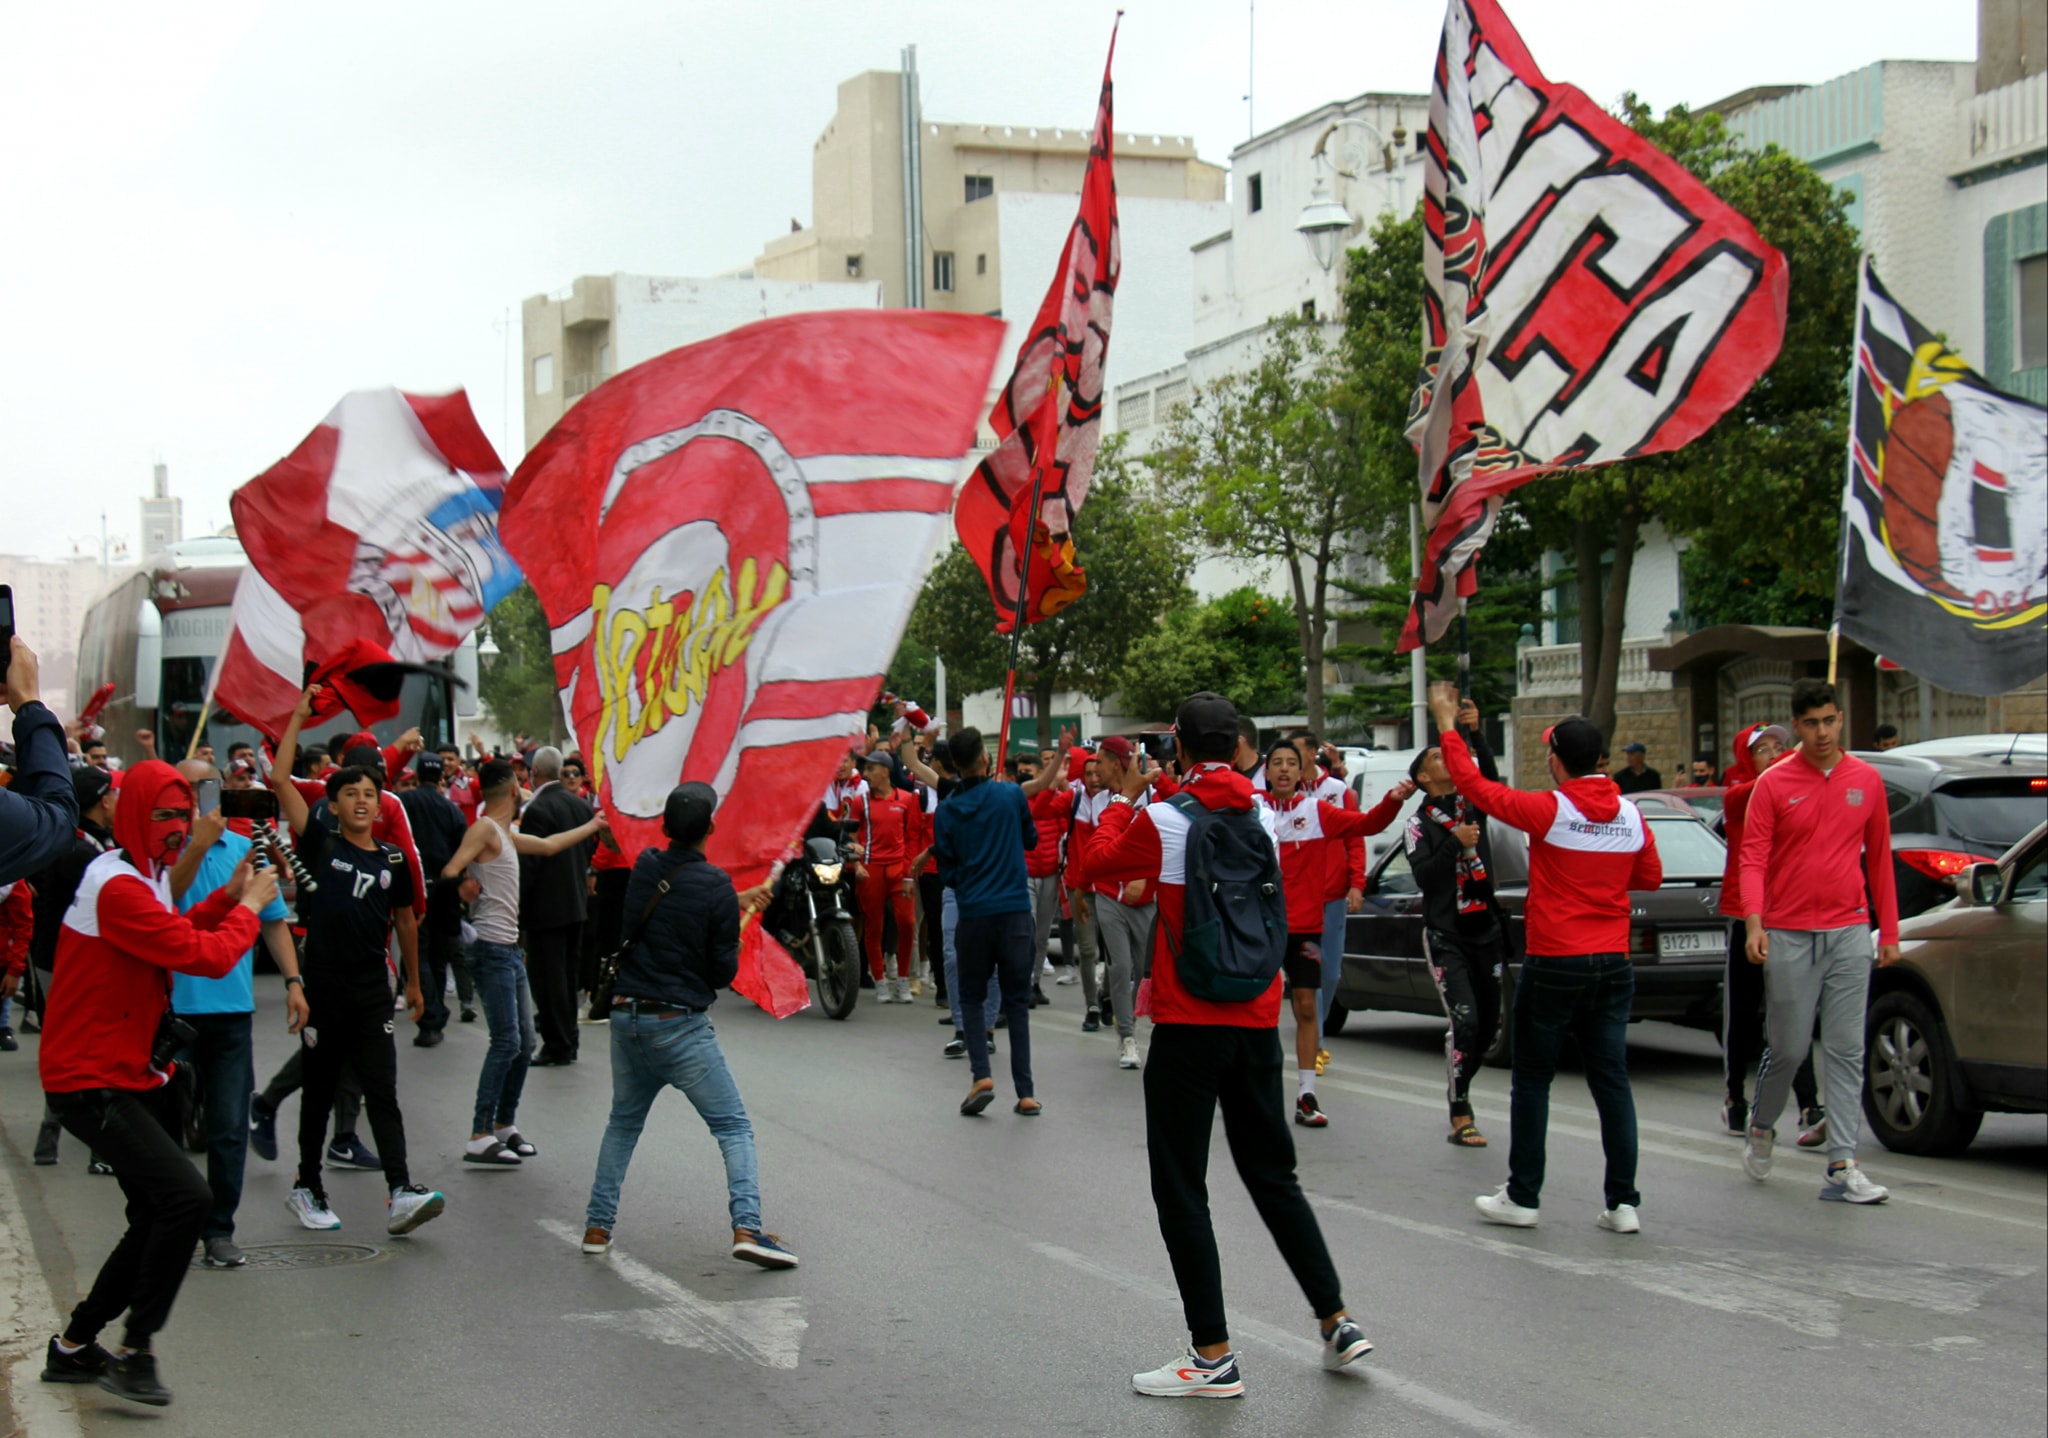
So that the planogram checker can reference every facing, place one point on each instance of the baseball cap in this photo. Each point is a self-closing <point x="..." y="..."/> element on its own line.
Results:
<point x="1635" y="748"/>
<point x="882" y="757"/>
<point x="1117" y="747"/>
<point x="1576" y="742"/>
<point x="1776" y="731"/>
<point x="429" y="766"/>
<point x="688" y="812"/>
<point x="1207" y="725"/>
<point x="89" y="786"/>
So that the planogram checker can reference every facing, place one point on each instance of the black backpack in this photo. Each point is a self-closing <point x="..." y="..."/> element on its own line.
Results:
<point x="1234" y="925"/>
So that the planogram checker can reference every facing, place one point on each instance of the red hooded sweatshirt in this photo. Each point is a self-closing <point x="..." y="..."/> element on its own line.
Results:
<point x="1151" y="843"/>
<point x="1588" y="847"/>
<point x="1742" y="778"/>
<point x="1049" y="811"/>
<point x="122" y="940"/>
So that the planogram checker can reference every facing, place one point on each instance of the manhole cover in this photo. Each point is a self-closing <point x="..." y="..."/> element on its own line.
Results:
<point x="277" y="1256"/>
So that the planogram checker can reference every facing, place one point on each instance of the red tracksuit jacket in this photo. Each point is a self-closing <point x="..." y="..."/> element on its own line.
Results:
<point x="1822" y="835"/>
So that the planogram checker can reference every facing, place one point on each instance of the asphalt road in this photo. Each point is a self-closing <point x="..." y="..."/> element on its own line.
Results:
<point x="1005" y="1276"/>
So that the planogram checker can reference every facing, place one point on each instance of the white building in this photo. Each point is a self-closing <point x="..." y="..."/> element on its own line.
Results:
<point x="163" y="515"/>
<point x="50" y="600"/>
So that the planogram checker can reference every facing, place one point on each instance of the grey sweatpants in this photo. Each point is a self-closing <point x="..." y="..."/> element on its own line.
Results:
<point x="1045" y="908"/>
<point x="1125" y="930"/>
<point x="1827" y="971"/>
<point x="1078" y="935"/>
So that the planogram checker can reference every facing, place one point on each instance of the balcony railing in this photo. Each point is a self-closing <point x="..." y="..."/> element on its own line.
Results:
<point x="1552" y="670"/>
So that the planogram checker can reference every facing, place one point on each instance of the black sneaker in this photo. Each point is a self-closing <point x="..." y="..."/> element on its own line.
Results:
<point x="1735" y="1115"/>
<point x="46" y="1144"/>
<point x="348" y="1151"/>
<point x="262" y="1128"/>
<point x="957" y="1049"/>
<point x="8" y="1043"/>
<point x="426" y="1038"/>
<point x="469" y="1016"/>
<point x="84" y="1366"/>
<point x="100" y="1168"/>
<point x="134" y="1378"/>
<point x="1091" y="1022"/>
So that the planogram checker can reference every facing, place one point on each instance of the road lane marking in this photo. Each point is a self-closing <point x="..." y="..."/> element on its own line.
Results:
<point x="1728" y="1161"/>
<point x="767" y="1331"/>
<point x="1298" y="1345"/>
<point x="27" y="1319"/>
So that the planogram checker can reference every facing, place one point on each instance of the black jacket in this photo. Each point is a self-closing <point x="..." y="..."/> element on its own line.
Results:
<point x="57" y="885"/>
<point x="437" y="830"/>
<point x="690" y="948"/>
<point x="1433" y="854"/>
<point x="551" y="888"/>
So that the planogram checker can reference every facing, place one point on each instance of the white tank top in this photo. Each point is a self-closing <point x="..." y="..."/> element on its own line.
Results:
<point x="495" y="914"/>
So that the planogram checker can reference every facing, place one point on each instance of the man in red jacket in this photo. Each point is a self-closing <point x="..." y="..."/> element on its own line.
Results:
<point x="1818" y="840"/>
<point x="1588" y="847"/>
<point x="1205" y="1054"/>
<point x="887" y="823"/>
<point x="104" y="1064"/>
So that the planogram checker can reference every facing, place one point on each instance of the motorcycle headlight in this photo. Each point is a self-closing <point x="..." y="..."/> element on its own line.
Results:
<point x="827" y="873"/>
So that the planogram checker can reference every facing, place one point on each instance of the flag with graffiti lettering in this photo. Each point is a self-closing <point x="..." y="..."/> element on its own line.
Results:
<point x="1048" y="423"/>
<point x="1586" y="298"/>
<point x="376" y="538"/>
<point x="727" y="541"/>
<point x="1945" y="513"/>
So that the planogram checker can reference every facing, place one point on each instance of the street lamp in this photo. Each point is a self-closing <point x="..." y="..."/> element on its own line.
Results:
<point x="1325" y="220"/>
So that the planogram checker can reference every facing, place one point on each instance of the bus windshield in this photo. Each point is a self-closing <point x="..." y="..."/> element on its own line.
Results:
<point x="423" y="702"/>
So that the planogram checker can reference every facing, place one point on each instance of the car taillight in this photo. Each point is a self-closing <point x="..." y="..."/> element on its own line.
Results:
<point x="1943" y="864"/>
<point x="2039" y="786"/>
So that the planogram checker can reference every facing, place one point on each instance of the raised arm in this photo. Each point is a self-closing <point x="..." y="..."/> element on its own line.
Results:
<point x="555" y="843"/>
<point x="290" y="802"/>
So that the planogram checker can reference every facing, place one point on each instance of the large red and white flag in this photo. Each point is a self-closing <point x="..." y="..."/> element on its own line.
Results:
<point x="727" y="541"/>
<point x="375" y="538"/>
<point x="1048" y="423"/>
<point x="1586" y="298"/>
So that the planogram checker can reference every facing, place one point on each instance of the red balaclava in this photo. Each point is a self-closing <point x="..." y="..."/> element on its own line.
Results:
<point x="153" y="845"/>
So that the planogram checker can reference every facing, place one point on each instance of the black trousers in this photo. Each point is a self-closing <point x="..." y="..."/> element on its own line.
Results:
<point x="291" y="1077"/>
<point x="342" y="1034"/>
<point x="1467" y="974"/>
<point x="168" y="1201"/>
<point x="551" y="958"/>
<point x="607" y="923"/>
<point x="1742" y="1025"/>
<point x="441" y="951"/>
<point x="931" y="917"/>
<point x="1191" y="1070"/>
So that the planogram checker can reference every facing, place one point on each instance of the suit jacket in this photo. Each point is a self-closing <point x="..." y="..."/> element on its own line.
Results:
<point x="551" y="891"/>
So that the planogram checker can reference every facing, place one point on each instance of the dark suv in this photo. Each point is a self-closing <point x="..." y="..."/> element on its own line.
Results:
<point x="1676" y="934"/>
<point x="1950" y="813"/>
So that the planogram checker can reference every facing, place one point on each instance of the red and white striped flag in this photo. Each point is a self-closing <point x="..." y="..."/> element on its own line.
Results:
<point x="380" y="529"/>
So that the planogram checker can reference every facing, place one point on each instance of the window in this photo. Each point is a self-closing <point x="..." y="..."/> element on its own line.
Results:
<point x="980" y="187"/>
<point x="1308" y="309"/>
<point x="1394" y="877"/>
<point x="853" y="267"/>
<point x="543" y="374"/>
<point x="1254" y="194"/>
<point x="2033" y="315"/>
<point x="604" y="360"/>
<point x="942" y="271"/>
<point x="981" y="264"/>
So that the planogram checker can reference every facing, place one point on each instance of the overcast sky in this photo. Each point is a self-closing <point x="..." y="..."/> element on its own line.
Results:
<point x="224" y="215"/>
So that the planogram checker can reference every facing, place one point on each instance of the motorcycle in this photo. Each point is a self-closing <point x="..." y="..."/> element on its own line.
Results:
<point x="809" y="917"/>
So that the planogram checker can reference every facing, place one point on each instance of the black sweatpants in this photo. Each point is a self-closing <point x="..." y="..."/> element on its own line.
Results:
<point x="1467" y="974"/>
<point x="1191" y="1070"/>
<point x="168" y="1201"/>
<point x="344" y="1033"/>
<point x="291" y="1077"/>
<point x="552" y="955"/>
<point x="1742" y="1025"/>
<point x="931" y="902"/>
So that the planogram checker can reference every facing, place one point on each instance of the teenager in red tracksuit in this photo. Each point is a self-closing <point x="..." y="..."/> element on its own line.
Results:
<point x="1205" y="1055"/>
<point x="1816" y="875"/>
<point x="1051" y="807"/>
<point x="1588" y="848"/>
<point x="121" y="941"/>
<point x="887" y="823"/>
<point x="1309" y="831"/>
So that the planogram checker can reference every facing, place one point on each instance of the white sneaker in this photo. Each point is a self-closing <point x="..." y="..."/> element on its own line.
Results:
<point x="1497" y="1207"/>
<point x="885" y="991"/>
<point x="1127" y="1054"/>
<point x="1067" y="976"/>
<point x="1850" y="1184"/>
<point x="412" y="1206"/>
<point x="902" y="991"/>
<point x="1756" y="1152"/>
<point x="1190" y="1377"/>
<point x="311" y="1211"/>
<point x="1621" y="1218"/>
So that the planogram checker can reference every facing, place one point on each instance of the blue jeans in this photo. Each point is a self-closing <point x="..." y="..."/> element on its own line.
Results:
<point x="1588" y="997"/>
<point x="648" y="1055"/>
<point x="950" y="925"/>
<point x="1333" y="961"/>
<point x="224" y="1057"/>
<point x="997" y="951"/>
<point x="508" y="1010"/>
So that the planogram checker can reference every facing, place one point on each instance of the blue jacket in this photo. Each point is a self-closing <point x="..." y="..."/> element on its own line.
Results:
<point x="690" y="948"/>
<point x="981" y="834"/>
<point x="38" y="813"/>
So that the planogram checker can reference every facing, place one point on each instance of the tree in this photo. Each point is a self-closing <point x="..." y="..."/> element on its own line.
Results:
<point x="1279" y="464"/>
<point x="1760" y="490"/>
<point x="1242" y="646"/>
<point x="517" y="684"/>
<point x="1137" y="560"/>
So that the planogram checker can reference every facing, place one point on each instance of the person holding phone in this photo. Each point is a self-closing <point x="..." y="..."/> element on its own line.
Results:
<point x="222" y="1011"/>
<point x="38" y="814"/>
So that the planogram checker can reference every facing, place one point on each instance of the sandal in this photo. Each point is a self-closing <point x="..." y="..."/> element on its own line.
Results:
<point x="978" y="1098"/>
<point x="1466" y="1135"/>
<point x="1034" y="1111"/>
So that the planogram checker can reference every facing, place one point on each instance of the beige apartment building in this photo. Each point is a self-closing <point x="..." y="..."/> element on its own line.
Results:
<point x="858" y="182"/>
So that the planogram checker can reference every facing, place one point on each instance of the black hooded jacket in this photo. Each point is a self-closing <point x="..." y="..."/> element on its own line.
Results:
<point x="1433" y="853"/>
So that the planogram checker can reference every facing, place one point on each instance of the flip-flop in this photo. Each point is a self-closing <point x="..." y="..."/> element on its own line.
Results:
<point x="1466" y="1135"/>
<point x="1033" y="1112"/>
<point x="977" y="1099"/>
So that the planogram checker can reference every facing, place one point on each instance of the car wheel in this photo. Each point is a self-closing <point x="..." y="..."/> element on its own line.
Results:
<point x="1909" y="1087"/>
<point x="1333" y="1021"/>
<point x="1501" y="1053"/>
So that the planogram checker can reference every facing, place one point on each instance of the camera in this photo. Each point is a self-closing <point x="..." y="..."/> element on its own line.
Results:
<point x="173" y="1036"/>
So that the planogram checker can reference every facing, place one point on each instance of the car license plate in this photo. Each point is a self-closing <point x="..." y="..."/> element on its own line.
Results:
<point x="1684" y="943"/>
